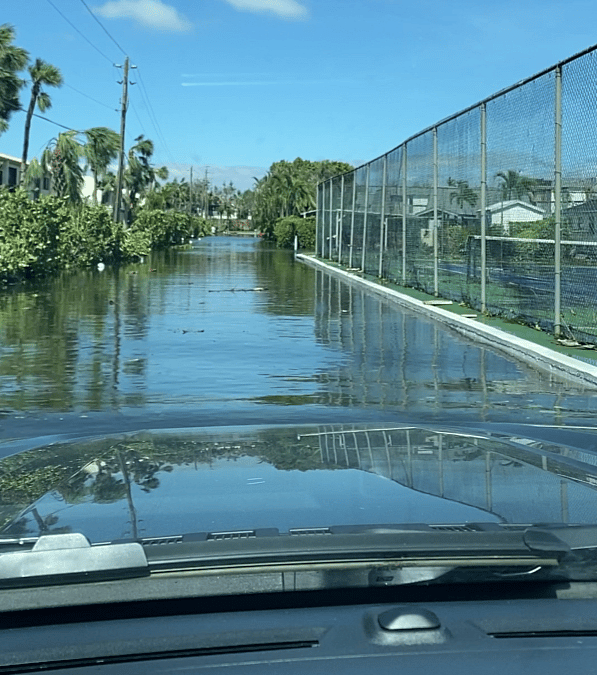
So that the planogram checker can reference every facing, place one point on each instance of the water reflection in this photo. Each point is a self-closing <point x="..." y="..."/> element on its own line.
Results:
<point x="234" y="330"/>
<point x="162" y="484"/>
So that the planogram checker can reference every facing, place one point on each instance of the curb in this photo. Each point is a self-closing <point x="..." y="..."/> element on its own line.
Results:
<point x="558" y="366"/>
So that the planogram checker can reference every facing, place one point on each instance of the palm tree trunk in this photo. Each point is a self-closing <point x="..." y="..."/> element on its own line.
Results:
<point x="30" y="110"/>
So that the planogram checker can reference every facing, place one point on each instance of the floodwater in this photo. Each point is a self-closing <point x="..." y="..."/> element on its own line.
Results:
<point x="232" y="331"/>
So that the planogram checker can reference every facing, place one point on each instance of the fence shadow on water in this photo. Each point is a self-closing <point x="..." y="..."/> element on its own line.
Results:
<point x="495" y="206"/>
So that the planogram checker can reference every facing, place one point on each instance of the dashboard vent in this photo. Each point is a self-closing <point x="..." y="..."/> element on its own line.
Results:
<point x="161" y="541"/>
<point x="454" y="528"/>
<point x="226" y="536"/>
<point x="299" y="531"/>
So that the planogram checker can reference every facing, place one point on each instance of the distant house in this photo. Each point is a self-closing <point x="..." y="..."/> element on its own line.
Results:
<point x="10" y="175"/>
<point x="582" y="220"/>
<point x="503" y="214"/>
<point x="10" y="171"/>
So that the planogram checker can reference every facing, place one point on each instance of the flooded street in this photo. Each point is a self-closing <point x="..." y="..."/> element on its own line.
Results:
<point x="233" y="331"/>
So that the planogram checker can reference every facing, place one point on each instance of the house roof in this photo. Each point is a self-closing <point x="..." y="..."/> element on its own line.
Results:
<point x="3" y="155"/>
<point x="513" y="203"/>
<point x="588" y="206"/>
<point x="429" y="212"/>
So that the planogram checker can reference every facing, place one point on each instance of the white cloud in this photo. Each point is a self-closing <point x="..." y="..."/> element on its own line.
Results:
<point x="148" y="13"/>
<point x="286" y="9"/>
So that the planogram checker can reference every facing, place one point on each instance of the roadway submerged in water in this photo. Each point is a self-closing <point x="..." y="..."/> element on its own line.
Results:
<point x="232" y="331"/>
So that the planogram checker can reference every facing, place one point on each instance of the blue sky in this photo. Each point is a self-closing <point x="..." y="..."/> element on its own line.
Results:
<point x="235" y="85"/>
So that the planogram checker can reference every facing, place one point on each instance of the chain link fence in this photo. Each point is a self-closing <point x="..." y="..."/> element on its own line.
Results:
<point x="495" y="207"/>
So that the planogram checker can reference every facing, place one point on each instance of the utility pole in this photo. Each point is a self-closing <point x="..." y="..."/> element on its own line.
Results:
<point x="191" y="193"/>
<point x="119" y="176"/>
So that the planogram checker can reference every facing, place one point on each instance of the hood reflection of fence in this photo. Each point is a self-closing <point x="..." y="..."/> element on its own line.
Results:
<point x="519" y="166"/>
<point x="557" y="485"/>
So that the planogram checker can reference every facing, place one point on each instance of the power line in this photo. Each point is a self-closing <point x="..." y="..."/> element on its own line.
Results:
<point x="97" y="49"/>
<point x="152" y="115"/>
<point x="41" y="117"/>
<point x="102" y="26"/>
<point x="91" y="98"/>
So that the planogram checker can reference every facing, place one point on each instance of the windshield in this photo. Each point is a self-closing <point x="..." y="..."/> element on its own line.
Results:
<point x="268" y="309"/>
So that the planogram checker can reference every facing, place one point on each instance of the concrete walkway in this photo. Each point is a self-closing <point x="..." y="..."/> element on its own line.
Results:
<point x="533" y="347"/>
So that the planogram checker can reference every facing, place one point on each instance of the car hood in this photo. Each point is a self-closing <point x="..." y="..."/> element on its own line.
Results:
<point x="234" y="479"/>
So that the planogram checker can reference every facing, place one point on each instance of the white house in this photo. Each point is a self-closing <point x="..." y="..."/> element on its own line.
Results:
<point x="502" y="214"/>
<point x="10" y="170"/>
<point x="10" y="174"/>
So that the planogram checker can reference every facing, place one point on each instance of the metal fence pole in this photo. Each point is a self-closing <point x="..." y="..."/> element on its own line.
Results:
<point x="404" y="187"/>
<point x="330" y="239"/>
<point x="354" y="199"/>
<point x="319" y="224"/>
<point x="382" y="215"/>
<point x="435" y="228"/>
<point x="340" y="223"/>
<point x="483" y="207"/>
<point x="366" y="211"/>
<point x="558" y="205"/>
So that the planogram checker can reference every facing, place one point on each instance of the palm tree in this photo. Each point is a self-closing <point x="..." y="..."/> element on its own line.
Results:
<point x="101" y="148"/>
<point x="42" y="74"/>
<point x="463" y="193"/>
<point x="12" y="60"/>
<point x="515" y="185"/>
<point x="62" y="160"/>
<point x="141" y="175"/>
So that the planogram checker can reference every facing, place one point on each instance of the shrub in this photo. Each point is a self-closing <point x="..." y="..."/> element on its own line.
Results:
<point x="286" y="228"/>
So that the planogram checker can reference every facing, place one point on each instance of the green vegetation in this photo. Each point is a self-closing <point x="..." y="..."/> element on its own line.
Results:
<point x="44" y="236"/>
<point x="286" y="228"/>
<point x="289" y="189"/>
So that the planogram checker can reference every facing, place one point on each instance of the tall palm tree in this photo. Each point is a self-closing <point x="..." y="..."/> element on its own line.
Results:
<point x="101" y="148"/>
<point x="42" y="74"/>
<point x="12" y="60"/>
<point x="61" y="159"/>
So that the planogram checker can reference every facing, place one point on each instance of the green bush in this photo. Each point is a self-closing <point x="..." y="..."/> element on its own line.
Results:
<point x="286" y="228"/>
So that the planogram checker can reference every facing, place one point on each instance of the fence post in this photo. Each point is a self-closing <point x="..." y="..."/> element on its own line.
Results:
<point x="558" y="205"/>
<point x="340" y="223"/>
<point x="404" y="195"/>
<point x="382" y="215"/>
<point x="354" y="199"/>
<point x="483" y="208"/>
<point x="366" y="211"/>
<point x="330" y="239"/>
<point x="435" y="228"/>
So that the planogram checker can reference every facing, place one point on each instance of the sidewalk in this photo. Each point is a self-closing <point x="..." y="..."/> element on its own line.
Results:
<point x="533" y="347"/>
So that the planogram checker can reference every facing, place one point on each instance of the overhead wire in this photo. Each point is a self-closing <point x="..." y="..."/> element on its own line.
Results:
<point x="143" y="89"/>
<point x="100" y="24"/>
<point x="91" y="98"/>
<point x="47" y="119"/>
<point x="152" y="115"/>
<point x="97" y="49"/>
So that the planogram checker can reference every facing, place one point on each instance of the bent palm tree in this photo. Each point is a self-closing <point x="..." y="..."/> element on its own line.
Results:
<point x="42" y="74"/>
<point x="62" y="159"/>
<point x="101" y="148"/>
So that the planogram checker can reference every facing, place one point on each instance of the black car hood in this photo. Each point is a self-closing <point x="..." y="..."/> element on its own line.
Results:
<point x="234" y="479"/>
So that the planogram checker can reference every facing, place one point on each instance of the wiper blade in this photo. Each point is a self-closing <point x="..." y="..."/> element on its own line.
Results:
<point x="357" y="547"/>
<point x="432" y="550"/>
<point x="70" y="558"/>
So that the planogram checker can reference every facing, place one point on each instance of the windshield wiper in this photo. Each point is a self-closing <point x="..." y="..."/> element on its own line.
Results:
<point x="343" y="548"/>
<point x="429" y="552"/>
<point x="70" y="558"/>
